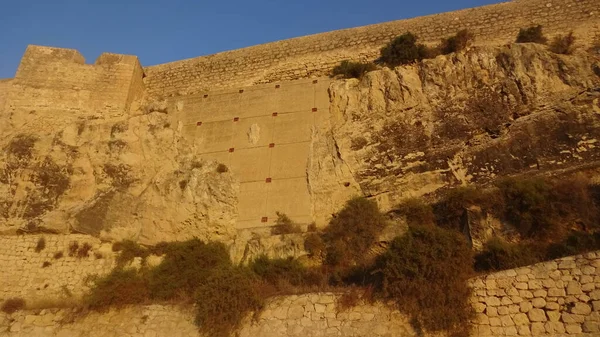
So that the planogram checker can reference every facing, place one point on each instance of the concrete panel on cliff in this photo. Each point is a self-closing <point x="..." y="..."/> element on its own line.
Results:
<point x="262" y="133"/>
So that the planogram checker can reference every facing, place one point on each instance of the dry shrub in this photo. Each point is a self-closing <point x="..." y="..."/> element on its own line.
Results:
<point x="349" y="69"/>
<point x="314" y="245"/>
<point x="500" y="255"/>
<point x="73" y="247"/>
<point x="46" y="264"/>
<point x="222" y="168"/>
<point x="532" y="34"/>
<point x="358" y="143"/>
<point x="404" y="49"/>
<point x="84" y="250"/>
<point x="224" y="298"/>
<point x="21" y="146"/>
<point x="352" y="232"/>
<point x="128" y="250"/>
<point x="184" y="265"/>
<point x="283" y="273"/>
<point x="12" y="304"/>
<point x="41" y="244"/>
<point x="425" y="272"/>
<point x="417" y="212"/>
<point x="119" y="288"/>
<point x="450" y="210"/>
<point x="563" y="44"/>
<point x="284" y="225"/>
<point x="119" y="174"/>
<point x="58" y="255"/>
<point x="456" y="43"/>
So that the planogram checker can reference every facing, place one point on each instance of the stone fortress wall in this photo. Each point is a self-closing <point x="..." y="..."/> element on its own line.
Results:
<point x="58" y="80"/>
<point x="555" y="298"/>
<point x="315" y="55"/>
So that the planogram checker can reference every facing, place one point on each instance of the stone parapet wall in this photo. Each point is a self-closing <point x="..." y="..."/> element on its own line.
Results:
<point x="315" y="55"/>
<point x="140" y="321"/>
<point x="556" y="298"/>
<point x="546" y="299"/>
<point x="24" y="274"/>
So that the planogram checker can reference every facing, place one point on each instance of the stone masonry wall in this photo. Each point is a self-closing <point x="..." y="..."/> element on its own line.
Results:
<point x="4" y="86"/>
<point x="556" y="298"/>
<point x="316" y="55"/>
<point x="24" y="274"/>
<point x="57" y="81"/>
<point x="546" y="299"/>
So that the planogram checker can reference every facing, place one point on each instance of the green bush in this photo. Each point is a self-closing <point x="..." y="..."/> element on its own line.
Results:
<point x="456" y="43"/>
<point x="119" y="288"/>
<point x="128" y="250"/>
<point x="500" y="255"/>
<point x="425" y="273"/>
<point x="575" y="243"/>
<point x="532" y="34"/>
<point x="451" y="209"/>
<point x="283" y="272"/>
<point x="314" y="245"/>
<point x="417" y="212"/>
<point x="184" y="265"/>
<point x="349" y="69"/>
<point x="41" y="244"/>
<point x="224" y="298"/>
<point x="352" y="232"/>
<point x="404" y="49"/>
<point x="563" y="44"/>
<point x="284" y="225"/>
<point x="12" y="304"/>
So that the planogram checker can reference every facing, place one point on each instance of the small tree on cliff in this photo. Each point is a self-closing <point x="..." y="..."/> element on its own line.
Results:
<point x="404" y="49"/>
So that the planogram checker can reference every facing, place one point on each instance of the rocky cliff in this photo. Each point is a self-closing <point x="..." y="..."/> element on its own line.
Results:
<point x="465" y="118"/>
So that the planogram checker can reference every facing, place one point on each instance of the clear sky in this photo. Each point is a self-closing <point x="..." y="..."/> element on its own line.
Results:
<point x="160" y="31"/>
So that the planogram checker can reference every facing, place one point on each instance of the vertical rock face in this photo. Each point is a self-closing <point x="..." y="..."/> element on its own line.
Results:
<point x="467" y="118"/>
<point x="126" y="177"/>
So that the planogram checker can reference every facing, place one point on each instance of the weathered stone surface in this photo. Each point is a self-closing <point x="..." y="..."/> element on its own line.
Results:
<point x="537" y="315"/>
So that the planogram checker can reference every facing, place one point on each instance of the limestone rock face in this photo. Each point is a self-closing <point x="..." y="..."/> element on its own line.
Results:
<point x="123" y="177"/>
<point x="466" y="118"/>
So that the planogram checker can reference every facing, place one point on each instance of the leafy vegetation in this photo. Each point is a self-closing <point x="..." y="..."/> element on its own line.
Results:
<point x="352" y="232"/>
<point x="12" y="304"/>
<point x="284" y="225"/>
<point x="460" y="41"/>
<point x="349" y="69"/>
<point x="563" y="44"/>
<point x="425" y="273"/>
<point x="404" y="49"/>
<point x="40" y="245"/>
<point x="532" y="34"/>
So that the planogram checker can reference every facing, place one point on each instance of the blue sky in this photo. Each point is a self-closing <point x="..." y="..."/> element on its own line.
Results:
<point x="160" y="31"/>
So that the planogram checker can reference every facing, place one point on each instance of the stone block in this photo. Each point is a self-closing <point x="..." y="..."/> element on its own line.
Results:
<point x="553" y="316"/>
<point x="534" y="284"/>
<point x="554" y="327"/>
<point x="572" y="318"/>
<point x="581" y="309"/>
<point x="506" y="300"/>
<point x="552" y="306"/>
<point x="525" y="294"/>
<point x="503" y="310"/>
<point x="521" y="285"/>
<point x="574" y="288"/>
<point x="556" y="292"/>
<point x="479" y="307"/>
<point x="538" y="329"/>
<point x="591" y="326"/>
<point x="538" y="302"/>
<point x="525" y="306"/>
<point x="524" y="330"/>
<point x="506" y="320"/>
<point x="537" y="315"/>
<point x="491" y="311"/>
<point x="492" y="301"/>
<point x="495" y="321"/>
<point x="573" y="328"/>
<point x="521" y="319"/>
<point x="510" y="331"/>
